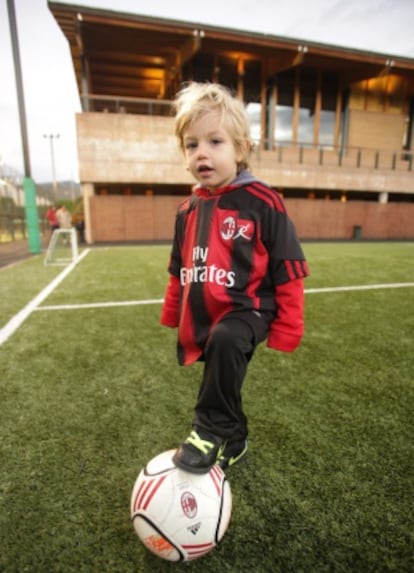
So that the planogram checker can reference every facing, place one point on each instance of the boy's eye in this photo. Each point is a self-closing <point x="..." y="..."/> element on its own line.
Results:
<point x="216" y="141"/>
<point x="190" y="145"/>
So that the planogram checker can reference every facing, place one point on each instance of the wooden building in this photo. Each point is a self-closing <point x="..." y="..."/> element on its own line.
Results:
<point x="333" y="127"/>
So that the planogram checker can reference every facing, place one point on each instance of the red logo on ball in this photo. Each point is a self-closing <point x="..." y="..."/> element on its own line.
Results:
<point x="189" y="504"/>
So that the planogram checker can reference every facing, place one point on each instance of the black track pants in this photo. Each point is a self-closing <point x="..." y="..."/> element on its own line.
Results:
<point x="230" y="347"/>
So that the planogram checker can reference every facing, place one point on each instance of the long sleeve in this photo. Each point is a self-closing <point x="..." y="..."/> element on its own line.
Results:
<point x="287" y="329"/>
<point x="170" y="308"/>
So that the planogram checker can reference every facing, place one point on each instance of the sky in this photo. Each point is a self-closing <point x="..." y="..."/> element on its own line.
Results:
<point x="50" y="91"/>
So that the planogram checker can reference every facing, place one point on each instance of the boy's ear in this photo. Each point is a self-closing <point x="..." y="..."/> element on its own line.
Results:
<point x="243" y="150"/>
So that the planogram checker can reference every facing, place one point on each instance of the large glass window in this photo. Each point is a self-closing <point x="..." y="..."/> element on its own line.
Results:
<point x="327" y="128"/>
<point x="308" y="86"/>
<point x="283" y="127"/>
<point x="305" y="131"/>
<point x="283" y="132"/>
<point x="329" y="93"/>
<point x="253" y="111"/>
<point x="308" y="89"/>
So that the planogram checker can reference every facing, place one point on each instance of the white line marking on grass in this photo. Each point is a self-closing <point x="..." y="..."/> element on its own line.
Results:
<point x="358" y="287"/>
<point x="161" y="300"/>
<point x="101" y="304"/>
<point x="21" y="316"/>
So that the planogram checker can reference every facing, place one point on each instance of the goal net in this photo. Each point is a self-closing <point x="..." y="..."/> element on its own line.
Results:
<point x="63" y="247"/>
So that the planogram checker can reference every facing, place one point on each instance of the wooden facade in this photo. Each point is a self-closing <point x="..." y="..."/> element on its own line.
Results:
<point x="333" y="127"/>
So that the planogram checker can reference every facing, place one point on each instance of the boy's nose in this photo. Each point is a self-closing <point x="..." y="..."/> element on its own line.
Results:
<point x="201" y="150"/>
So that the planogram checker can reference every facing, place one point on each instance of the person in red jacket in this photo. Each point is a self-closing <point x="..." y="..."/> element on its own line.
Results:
<point x="52" y="219"/>
<point x="236" y="272"/>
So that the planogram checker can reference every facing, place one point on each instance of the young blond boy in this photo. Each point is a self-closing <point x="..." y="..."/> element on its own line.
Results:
<point x="236" y="272"/>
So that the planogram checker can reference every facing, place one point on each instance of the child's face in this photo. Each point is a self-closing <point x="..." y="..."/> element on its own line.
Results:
<point x="210" y="152"/>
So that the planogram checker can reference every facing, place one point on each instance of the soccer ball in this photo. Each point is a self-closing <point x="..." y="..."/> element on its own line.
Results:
<point x="178" y="515"/>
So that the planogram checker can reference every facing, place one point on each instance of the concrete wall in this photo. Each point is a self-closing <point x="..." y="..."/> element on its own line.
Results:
<point x="125" y="148"/>
<point x="139" y="218"/>
<point x="375" y="129"/>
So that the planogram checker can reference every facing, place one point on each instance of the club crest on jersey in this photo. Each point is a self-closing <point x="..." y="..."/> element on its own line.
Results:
<point x="232" y="228"/>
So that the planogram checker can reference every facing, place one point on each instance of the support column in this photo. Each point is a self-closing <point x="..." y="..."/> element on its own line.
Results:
<point x="240" y="79"/>
<point x="383" y="197"/>
<point x="296" y="107"/>
<point x="317" y="110"/>
<point x="88" y="191"/>
<point x="272" y="115"/>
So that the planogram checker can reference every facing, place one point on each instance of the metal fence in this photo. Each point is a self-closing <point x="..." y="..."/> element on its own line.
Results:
<point x="13" y="227"/>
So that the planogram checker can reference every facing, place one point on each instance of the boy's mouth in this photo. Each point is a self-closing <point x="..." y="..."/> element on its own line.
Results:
<point x="204" y="169"/>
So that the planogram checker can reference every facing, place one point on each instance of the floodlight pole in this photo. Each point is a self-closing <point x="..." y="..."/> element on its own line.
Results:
<point x="32" y="218"/>
<point x="52" y="137"/>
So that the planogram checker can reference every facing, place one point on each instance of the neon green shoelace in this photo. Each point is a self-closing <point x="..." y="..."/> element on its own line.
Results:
<point x="203" y="445"/>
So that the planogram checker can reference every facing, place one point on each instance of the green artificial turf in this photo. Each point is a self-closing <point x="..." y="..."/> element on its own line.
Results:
<point x="21" y="282"/>
<point x="89" y="395"/>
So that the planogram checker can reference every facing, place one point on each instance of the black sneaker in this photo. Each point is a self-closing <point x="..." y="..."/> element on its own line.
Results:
<point x="232" y="453"/>
<point x="198" y="453"/>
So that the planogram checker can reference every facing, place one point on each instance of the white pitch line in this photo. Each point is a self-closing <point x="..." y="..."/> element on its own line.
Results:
<point x="358" y="287"/>
<point x="101" y="304"/>
<point x="21" y="316"/>
<point x="161" y="300"/>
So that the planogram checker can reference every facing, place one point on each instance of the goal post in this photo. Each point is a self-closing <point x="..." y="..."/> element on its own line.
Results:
<point x="62" y="248"/>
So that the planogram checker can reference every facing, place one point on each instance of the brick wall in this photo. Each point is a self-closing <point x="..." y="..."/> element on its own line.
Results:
<point x="119" y="219"/>
<point x="319" y="219"/>
<point x="132" y="218"/>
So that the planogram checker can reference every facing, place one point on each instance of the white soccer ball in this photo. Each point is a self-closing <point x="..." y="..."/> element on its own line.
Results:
<point x="178" y="515"/>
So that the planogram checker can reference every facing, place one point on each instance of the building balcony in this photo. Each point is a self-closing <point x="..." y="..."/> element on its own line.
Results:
<point x="141" y="148"/>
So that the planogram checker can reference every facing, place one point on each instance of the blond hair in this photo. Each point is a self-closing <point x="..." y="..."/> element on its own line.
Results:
<point x="197" y="99"/>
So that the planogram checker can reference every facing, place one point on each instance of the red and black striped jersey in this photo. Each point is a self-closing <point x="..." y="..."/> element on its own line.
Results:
<point x="232" y="252"/>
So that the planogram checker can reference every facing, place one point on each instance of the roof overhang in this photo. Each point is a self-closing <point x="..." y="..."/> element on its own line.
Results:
<point x="131" y="55"/>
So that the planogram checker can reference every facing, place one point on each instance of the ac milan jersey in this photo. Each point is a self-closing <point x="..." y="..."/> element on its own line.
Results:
<point x="231" y="250"/>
